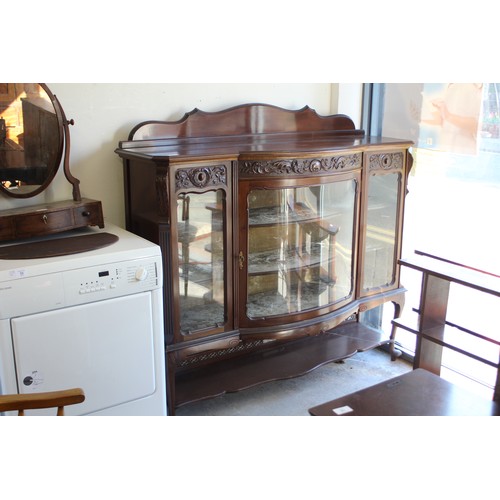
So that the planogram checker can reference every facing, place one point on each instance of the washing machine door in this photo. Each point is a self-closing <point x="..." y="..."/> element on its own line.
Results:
<point x="106" y="348"/>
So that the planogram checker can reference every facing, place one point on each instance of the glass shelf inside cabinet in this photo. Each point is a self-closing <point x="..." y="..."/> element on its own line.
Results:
<point x="201" y="257"/>
<point x="300" y="248"/>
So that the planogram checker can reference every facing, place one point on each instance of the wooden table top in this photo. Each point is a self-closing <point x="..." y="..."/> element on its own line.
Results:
<point x="416" y="393"/>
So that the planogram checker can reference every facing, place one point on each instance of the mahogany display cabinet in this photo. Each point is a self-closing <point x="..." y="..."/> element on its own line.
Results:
<point x="278" y="230"/>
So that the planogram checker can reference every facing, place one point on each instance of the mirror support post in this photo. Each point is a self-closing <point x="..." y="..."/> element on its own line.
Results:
<point x="67" y="143"/>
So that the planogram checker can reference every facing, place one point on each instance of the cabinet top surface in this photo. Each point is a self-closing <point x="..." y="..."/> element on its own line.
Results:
<point x="250" y="130"/>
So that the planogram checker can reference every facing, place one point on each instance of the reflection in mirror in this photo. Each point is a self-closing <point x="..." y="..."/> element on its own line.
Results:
<point x="31" y="138"/>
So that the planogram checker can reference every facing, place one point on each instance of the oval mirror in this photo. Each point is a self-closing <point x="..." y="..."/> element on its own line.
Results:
<point x="31" y="138"/>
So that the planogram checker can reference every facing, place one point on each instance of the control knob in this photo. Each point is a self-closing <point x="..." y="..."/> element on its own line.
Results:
<point x="141" y="274"/>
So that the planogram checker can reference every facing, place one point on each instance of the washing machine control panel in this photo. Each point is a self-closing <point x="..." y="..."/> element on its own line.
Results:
<point x="111" y="280"/>
<point x="45" y="292"/>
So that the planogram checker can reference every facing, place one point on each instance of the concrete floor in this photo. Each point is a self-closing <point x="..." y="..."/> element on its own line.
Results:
<point x="293" y="397"/>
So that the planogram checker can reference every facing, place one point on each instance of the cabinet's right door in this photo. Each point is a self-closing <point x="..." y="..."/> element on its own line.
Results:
<point x="381" y="221"/>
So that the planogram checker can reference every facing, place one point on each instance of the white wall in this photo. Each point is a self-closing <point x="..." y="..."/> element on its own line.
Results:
<point x="350" y="101"/>
<point x="104" y="113"/>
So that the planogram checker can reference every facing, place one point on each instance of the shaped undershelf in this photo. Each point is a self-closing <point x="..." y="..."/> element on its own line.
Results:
<point x="281" y="361"/>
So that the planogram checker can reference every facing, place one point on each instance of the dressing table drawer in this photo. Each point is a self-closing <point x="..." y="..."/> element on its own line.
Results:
<point x="43" y="222"/>
<point x="88" y="214"/>
<point x="7" y="228"/>
<point x="49" y="219"/>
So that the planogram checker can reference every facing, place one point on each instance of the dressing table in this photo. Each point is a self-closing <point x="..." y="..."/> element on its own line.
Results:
<point x="34" y="139"/>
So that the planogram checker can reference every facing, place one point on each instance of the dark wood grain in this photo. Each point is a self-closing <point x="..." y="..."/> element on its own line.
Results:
<point x="283" y="360"/>
<point x="50" y="218"/>
<point x="416" y="393"/>
<point x="57" y="247"/>
<point x="249" y="129"/>
<point x="241" y="120"/>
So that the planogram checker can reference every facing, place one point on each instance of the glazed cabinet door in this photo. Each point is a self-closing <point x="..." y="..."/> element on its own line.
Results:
<point x="297" y="248"/>
<point x="201" y="247"/>
<point x="381" y="217"/>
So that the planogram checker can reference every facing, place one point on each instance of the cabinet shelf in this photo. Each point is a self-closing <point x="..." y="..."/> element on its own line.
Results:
<point x="299" y="214"/>
<point x="209" y="315"/>
<point x="282" y="361"/>
<point x="271" y="261"/>
<point x="303" y="298"/>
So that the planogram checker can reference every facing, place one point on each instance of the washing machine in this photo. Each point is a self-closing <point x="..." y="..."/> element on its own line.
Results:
<point x="91" y="319"/>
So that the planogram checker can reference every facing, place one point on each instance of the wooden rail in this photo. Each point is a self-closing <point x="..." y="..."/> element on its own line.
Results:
<point x="434" y="332"/>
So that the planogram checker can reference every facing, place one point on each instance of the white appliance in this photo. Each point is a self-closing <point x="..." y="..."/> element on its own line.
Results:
<point x="92" y="320"/>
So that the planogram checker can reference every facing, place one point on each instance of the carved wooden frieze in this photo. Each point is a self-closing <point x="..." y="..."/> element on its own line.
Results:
<point x="200" y="177"/>
<point x="299" y="166"/>
<point x="386" y="161"/>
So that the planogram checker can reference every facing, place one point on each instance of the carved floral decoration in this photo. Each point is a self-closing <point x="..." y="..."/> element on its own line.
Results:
<point x="386" y="161"/>
<point x="200" y="177"/>
<point x="300" y="166"/>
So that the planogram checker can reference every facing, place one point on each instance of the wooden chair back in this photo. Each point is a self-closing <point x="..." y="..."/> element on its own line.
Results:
<point x="54" y="399"/>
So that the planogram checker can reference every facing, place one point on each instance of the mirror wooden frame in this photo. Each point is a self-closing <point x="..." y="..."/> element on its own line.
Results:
<point x="64" y="145"/>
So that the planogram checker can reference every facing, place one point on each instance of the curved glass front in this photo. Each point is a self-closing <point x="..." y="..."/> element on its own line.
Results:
<point x="300" y="248"/>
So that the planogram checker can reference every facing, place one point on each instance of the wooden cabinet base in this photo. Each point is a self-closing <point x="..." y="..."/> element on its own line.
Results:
<point x="278" y="361"/>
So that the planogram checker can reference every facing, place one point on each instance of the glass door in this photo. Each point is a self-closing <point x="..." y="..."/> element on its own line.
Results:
<point x="201" y="255"/>
<point x="299" y="248"/>
<point x="379" y="263"/>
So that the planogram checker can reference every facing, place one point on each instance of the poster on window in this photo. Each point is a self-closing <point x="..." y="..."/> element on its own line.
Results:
<point x="450" y="115"/>
<point x="438" y="116"/>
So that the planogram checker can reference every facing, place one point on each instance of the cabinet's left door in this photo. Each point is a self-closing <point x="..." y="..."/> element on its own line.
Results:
<point x="201" y="250"/>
